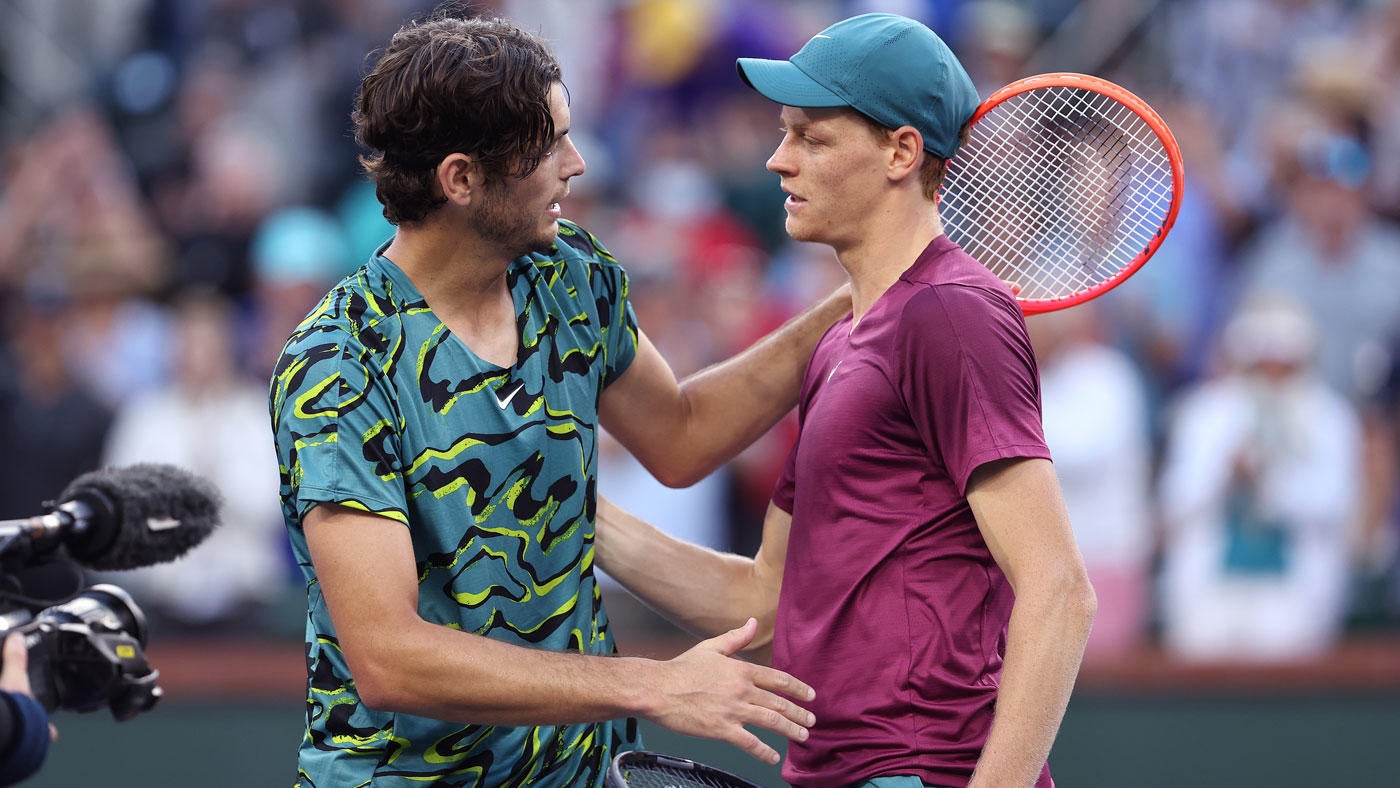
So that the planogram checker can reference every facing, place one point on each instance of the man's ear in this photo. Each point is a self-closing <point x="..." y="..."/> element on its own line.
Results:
<point x="906" y="145"/>
<point x="459" y="177"/>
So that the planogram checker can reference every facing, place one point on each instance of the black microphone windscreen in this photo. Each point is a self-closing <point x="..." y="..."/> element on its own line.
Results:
<point x="161" y="511"/>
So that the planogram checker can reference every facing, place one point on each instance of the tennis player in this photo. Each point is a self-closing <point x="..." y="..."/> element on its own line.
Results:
<point x="917" y="566"/>
<point x="436" y="423"/>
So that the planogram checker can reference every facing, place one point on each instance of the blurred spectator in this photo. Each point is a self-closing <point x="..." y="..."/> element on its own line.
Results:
<point x="71" y="220"/>
<point x="1237" y="57"/>
<point x="676" y="223"/>
<point x="70" y="209"/>
<point x="1380" y="47"/>
<point x="297" y="254"/>
<point x="214" y="422"/>
<point x="1332" y="78"/>
<point x="51" y="426"/>
<point x="1337" y="257"/>
<point x="1096" y="425"/>
<point x="1331" y="253"/>
<point x="997" y="40"/>
<point x="1259" y="495"/>
<point x="736" y="138"/>
<point x="118" y="344"/>
<point x="236" y="178"/>
<point x="1379" y="548"/>
<point x="50" y="49"/>
<point x="362" y="221"/>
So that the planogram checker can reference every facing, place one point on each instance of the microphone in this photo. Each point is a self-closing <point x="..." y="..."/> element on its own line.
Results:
<point x="123" y="518"/>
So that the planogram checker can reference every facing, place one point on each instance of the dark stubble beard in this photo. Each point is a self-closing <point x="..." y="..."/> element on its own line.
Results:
<point x="500" y="222"/>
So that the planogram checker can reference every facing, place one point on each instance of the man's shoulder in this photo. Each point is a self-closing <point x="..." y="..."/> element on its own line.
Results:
<point x="961" y="309"/>
<point x="355" y="316"/>
<point x="953" y="274"/>
<point x="958" y="303"/>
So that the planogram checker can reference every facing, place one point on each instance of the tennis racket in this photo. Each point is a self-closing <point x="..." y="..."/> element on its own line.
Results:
<point x="1066" y="185"/>
<point x="640" y="769"/>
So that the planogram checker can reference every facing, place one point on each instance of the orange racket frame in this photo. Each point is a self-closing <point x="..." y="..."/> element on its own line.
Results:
<point x="1150" y="117"/>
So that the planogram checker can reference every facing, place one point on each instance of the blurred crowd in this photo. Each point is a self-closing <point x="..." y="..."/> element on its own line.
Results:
<point x="179" y="185"/>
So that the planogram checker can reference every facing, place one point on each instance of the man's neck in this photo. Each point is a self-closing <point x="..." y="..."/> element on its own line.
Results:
<point x="890" y="242"/>
<point x="463" y="280"/>
<point x="454" y="270"/>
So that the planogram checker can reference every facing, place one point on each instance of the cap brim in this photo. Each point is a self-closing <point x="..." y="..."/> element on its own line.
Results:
<point x="784" y="83"/>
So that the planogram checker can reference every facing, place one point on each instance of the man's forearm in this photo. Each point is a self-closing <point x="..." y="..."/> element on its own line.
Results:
<point x="467" y="678"/>
<point x="1045" y="643"/>
<point x="731" y="404"/>
<point x="435" y="671"/>
<point x="701" y="590"/>
<point x="682" y="432"/>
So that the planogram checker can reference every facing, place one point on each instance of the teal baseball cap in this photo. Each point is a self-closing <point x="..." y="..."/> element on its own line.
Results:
<point x="888" y="67"/>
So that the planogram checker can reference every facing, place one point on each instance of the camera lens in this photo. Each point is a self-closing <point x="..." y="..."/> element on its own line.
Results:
<point x="102" y="608"/>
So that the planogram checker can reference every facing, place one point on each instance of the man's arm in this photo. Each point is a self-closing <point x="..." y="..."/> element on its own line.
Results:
<point x="702" y="590"/>
<point x="682" y="432"/>
<point x="402" y="663"/>
<point x="1022" y="517"/>
<point x="25" y="730"/>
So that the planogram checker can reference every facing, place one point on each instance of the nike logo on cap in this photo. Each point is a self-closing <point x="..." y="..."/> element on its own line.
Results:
<point x="503" y="402"/>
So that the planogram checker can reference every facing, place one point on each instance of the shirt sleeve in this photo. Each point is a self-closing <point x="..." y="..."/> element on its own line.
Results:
<point x="970" y="381"/>
<point x="24" y="737"/>
<point x="785" y="493"/>
<point x="616" y="320"/>
<point x="337" y="430"/>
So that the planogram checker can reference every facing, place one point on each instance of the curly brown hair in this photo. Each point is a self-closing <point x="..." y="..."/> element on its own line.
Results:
<point x="446" y="85"/>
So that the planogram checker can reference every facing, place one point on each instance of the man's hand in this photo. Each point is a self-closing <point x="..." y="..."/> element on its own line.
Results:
<point x="14" y="676"/>
<point x="706" y="692"/>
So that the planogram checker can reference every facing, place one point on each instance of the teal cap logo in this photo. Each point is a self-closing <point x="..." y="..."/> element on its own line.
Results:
<point x="888" y="67"/>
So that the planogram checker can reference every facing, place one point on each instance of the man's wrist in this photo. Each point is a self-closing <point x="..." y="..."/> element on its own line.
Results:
<point x="635" y="680"/>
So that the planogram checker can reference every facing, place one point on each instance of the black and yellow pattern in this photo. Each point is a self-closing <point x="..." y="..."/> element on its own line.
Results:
<point x="377" y="406"/>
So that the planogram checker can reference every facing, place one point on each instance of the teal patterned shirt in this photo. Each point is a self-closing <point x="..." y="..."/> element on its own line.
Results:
<point x="377" y="406"/>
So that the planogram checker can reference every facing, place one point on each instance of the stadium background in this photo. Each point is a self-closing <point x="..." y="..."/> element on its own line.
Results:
<point x="178" y="185"/>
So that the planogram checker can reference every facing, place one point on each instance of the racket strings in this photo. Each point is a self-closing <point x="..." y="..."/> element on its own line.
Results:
<point x="1070" y="187"/>
<point x="659" y="776"/>
<point x="1113" y="149"/>
<point x="1074" y="234"/>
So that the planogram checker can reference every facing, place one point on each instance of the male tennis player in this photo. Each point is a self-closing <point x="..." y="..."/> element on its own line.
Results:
<point x="436" y="422"/>
<point x="917" y="566"/>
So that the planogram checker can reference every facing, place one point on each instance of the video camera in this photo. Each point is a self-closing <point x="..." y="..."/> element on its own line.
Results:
<point x="87" y="650"/>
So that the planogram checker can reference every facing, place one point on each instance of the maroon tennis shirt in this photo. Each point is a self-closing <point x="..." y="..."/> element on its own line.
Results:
<point x="892" y="607"/>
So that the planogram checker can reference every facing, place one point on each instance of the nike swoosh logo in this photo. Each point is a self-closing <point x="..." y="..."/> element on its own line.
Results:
<point x="819" y="35"/>
<point x="502" y="403"/>
<point x="832" y="373"/>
